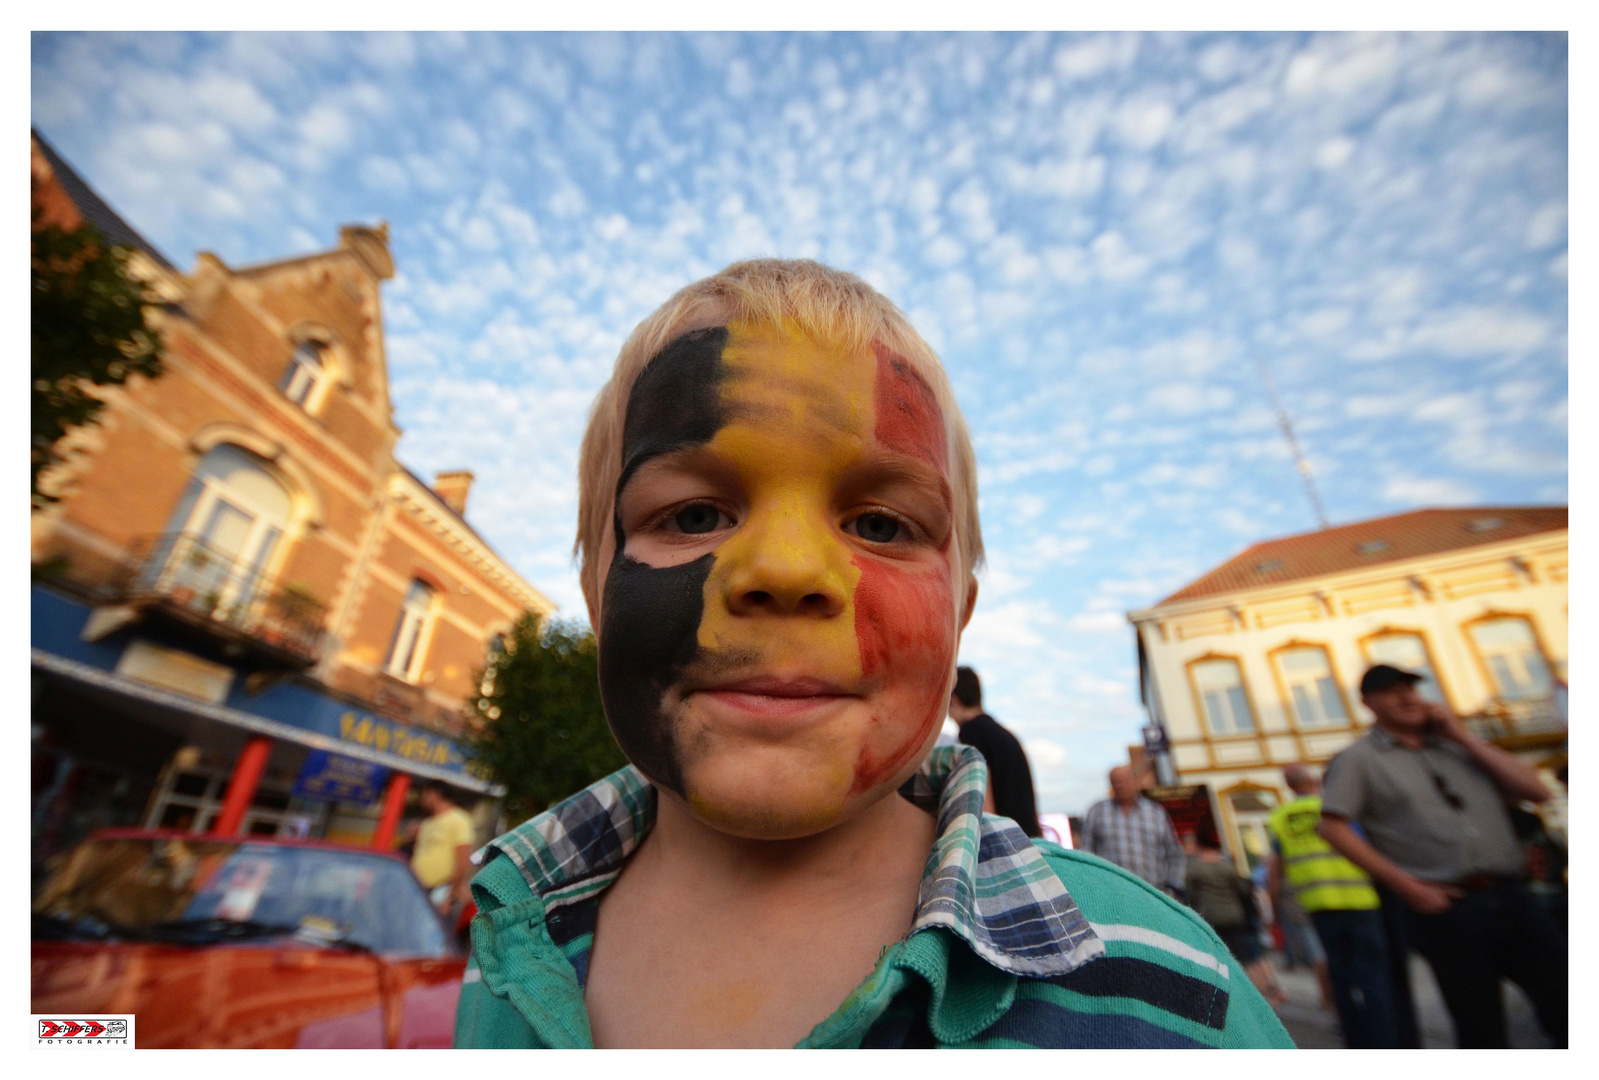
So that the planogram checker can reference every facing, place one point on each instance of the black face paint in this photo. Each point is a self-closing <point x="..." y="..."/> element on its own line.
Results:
<point x="650" y="626"/>
<point x="675" y="403"/>
<point x="648" y="634"/>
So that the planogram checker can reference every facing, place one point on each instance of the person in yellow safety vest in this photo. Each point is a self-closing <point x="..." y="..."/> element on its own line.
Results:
<point x="1345" y="910"/>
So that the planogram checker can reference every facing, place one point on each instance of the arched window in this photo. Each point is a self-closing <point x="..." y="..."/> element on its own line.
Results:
<point x="1509" y="650"/>
<point x="1312" y="690"/>
<point x="304" y="376"/>
<point x="1219" y="684"/>
<point x="225" y="530"/>
<point x="416" y="613"/>
<point x="1406" y="650"/>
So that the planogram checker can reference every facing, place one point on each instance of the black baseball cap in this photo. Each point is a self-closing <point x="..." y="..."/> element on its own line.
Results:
<point x="1382" y="677"/>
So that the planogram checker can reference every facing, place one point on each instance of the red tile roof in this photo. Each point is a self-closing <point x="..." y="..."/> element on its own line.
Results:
<point x="1370" y="543"/>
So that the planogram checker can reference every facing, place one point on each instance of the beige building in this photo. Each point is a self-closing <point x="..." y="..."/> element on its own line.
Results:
<point x="239" y="575"/>
<point x="1256" y="664"/>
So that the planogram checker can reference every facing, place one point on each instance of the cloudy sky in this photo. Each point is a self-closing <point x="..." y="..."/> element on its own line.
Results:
<point x="1103" y="236"/>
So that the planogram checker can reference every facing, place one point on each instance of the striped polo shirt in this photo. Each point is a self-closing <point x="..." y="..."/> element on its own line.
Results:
<point x="1015" y="942"/>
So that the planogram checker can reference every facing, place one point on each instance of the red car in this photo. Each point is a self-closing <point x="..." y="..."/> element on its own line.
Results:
<point x="247" y="942"/>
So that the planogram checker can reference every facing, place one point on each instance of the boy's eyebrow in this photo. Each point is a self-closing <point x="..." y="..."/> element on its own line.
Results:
<point x="882" y="464"/>
<point x="696" y="456"/>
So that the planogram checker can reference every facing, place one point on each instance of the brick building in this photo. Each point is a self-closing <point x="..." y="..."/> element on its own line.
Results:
<point x="1257" y="664"/>
<point x="247" y="601"/>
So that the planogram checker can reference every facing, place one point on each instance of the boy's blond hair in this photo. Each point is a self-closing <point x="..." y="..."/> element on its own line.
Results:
<point x="833" y="308"/>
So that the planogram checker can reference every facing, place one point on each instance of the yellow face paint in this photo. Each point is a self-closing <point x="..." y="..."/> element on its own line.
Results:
<point x="801" y="417"/>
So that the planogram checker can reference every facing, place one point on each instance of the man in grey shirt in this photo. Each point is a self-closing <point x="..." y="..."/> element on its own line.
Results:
<point x="1430" y="798"/>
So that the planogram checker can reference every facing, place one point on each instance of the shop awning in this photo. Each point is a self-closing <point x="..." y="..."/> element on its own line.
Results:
<point x="134" y="692"/>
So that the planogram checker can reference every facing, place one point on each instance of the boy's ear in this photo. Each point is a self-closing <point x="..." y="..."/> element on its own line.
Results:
<point x="971" y="600"/>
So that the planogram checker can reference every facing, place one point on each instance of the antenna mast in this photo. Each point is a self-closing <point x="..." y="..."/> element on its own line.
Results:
<point x="1300" y="461"/>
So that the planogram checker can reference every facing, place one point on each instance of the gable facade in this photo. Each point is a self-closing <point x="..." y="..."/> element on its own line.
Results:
<point x="242" y="525"/>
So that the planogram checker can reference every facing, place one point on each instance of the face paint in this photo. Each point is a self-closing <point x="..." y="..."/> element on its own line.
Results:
<point x="907" y="412"/>
<point x="650" y="615"/>
<point x="647" y="629"/>
<point x="901" y="614"/>
<point x="676" y="401"/>
<point x="786" y="593"/>
<point x="903" y="623"/>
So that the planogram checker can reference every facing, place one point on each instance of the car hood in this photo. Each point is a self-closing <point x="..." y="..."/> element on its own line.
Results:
<point x="258" y="995"/>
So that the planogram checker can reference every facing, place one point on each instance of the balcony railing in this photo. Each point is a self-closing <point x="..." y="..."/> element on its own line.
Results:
<point x="207" y="587"/>
<point x="1517" y="719"/>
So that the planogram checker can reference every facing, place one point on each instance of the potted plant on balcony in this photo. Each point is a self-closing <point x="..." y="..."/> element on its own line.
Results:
<point x="197" y="557"/>
<point x="301" y="614"/>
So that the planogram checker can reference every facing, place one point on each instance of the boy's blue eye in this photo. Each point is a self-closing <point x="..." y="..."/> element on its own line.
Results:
<point x="878" y="528"/>
<point x="698" y="519"/>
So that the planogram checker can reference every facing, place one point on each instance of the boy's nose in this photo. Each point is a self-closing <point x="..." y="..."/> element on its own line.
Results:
<point x="787" y="566"/>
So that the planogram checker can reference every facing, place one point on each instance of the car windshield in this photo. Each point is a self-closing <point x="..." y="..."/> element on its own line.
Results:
<point x="203" y="891"/>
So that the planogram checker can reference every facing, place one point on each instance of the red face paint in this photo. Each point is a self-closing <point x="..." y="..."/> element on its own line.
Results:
<point x="905" y="626"/>
<point x="907" y="412"/>
<point x="904" y="612"/>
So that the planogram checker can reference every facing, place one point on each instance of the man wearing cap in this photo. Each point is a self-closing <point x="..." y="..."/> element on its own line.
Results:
<point x="1430" y="798"/>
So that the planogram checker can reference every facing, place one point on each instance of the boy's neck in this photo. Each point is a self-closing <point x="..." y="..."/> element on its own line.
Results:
<point x="710" y="940"/>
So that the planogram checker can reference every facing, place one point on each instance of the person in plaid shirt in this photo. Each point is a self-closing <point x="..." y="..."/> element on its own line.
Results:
<point x="778" y="532"/>
<point x="1134" y="833"/>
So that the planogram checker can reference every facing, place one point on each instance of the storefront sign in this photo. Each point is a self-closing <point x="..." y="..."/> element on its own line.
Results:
<point x="1187" y="805"/>
<point x="336" y="778"/>
<point x="397" y="739"/>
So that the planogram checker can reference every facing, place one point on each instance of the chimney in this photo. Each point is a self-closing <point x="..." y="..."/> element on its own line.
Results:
<point x="370" y="246"/>
<point x="452" y="487"/>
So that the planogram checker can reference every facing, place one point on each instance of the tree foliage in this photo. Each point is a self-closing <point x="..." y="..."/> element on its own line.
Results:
<point x="89" y="329"/>
<point x="540" y="727"/>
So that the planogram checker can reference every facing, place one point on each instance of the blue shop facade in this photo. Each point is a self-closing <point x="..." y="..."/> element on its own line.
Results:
<point x="142" y="724"/>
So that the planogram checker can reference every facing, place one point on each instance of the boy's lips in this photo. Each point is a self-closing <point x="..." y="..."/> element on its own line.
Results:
<point x="771" y="695"/>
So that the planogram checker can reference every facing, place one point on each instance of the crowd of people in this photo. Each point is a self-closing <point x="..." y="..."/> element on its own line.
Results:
<point x="1410" y="842"/>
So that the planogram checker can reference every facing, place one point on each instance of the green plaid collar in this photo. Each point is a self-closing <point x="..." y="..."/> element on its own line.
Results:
<point x="985" y="881"/>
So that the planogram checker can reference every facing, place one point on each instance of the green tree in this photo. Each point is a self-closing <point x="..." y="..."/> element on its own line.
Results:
<point x="540" y="727"/>
<point x="89" y="330"/>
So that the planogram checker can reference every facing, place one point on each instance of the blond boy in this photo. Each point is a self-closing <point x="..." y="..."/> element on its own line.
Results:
<point x="778" y="532"/>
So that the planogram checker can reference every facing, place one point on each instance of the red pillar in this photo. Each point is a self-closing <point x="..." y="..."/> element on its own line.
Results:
<point x="393" y="803"/>
<point x="241" y="786"/>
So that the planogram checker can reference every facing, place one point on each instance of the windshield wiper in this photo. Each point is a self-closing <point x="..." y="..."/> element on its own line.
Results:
<point x="336" y="943"/>
<point x="218" y="930"/>
<point x="82" y="926"/>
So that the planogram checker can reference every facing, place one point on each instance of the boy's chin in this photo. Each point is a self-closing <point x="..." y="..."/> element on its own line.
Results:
<point x="782" y="804"/>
